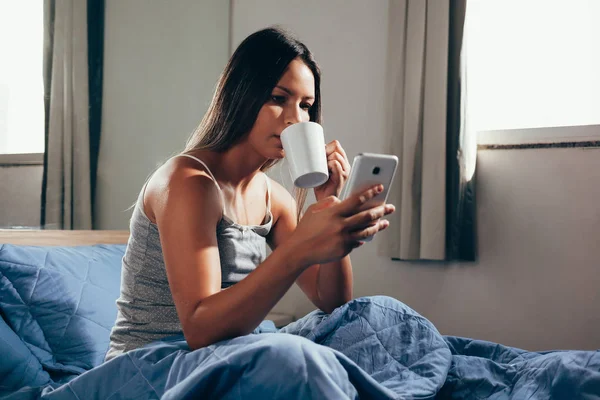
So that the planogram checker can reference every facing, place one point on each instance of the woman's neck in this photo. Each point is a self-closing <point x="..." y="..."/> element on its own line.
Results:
<point x="235" y="167"/>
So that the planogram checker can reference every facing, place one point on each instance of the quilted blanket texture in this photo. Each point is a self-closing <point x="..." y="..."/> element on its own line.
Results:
<point x="58" y="305"/>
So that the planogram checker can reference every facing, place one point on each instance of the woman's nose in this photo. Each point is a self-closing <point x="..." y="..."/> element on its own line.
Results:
<point x="293" y="115"/>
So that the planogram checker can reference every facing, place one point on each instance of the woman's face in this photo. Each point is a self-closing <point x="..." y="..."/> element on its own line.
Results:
<point x="290" y="101"/>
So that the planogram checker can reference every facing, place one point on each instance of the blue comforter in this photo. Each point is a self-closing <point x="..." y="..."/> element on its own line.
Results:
<point x="57" y="306"/>
<point x="370" y="348"/>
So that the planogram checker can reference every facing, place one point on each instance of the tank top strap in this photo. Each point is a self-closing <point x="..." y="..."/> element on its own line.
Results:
<point x="268" y="192"/>
<point x="210" y="173"/>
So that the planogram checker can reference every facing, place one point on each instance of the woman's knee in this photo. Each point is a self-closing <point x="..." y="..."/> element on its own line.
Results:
<point x="310" y="368"/>
<point x="277" y="344"/>
<point x="288" y="351"/>
<point x="379" y="309"/>
<point x="381" y="301"/>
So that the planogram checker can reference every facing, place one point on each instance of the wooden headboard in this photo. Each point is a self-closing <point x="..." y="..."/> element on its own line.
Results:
<point x="62" y="238"/>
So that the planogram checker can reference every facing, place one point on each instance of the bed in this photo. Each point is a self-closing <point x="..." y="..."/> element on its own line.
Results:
<point x="57" y="305"/>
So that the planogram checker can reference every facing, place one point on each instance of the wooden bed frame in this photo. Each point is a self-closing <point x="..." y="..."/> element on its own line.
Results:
<point x="62" y="238"/>
<point x="84" y="237"/>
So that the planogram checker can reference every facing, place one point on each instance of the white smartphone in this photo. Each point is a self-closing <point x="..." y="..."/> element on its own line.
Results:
<point x="369" y="169"/>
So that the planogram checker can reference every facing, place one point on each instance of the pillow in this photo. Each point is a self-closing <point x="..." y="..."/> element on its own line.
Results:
<point x="19" y="367"/>
<point x="60" y="301"/>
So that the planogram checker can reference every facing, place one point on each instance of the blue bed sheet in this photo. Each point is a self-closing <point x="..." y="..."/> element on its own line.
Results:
<point x="370" y="348"/>
<point x="485" y="370"/>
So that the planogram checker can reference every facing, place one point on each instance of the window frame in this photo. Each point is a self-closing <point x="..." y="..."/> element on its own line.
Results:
<point x="21" y="159"/>
<point x="579" y="136"/>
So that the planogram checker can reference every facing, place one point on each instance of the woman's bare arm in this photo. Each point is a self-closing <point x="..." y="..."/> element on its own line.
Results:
<point x="327" y="286"/>
<point x="187" y="210"/>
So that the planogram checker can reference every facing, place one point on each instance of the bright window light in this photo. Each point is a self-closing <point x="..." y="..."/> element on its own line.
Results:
<point x="21" y="77"/>
<point x="532" y="63"/>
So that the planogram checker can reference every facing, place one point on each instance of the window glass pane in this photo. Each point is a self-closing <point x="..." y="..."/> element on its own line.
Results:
<point x="533" y="63"/>
<point x="21" y="77"/>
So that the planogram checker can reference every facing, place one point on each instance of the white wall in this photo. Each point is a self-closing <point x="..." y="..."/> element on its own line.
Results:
<point x="348" y="39"/>
<point x="20" y="197"/>
<point x="536" y="282"/>
<point x="162" y="60"/>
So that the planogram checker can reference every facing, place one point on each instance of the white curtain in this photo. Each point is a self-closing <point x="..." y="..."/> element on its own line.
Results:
<point x="66" y="197"/>
<point x="420" y="124"/>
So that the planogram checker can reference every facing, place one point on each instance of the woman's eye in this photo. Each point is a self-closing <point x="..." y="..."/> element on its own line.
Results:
<point x="278" y="99"/>
<point x="306" y="106"/>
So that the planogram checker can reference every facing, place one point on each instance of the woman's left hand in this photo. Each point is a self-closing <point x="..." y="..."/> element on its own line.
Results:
<point x="339" y="170"/>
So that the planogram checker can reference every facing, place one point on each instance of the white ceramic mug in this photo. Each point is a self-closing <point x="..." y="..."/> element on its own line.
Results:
<point x="304" y="146"/>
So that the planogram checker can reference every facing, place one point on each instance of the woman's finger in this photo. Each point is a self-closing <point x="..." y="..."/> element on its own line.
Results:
<point x="353" y="203"/>
<point x="335" y="171"/>
<point x="335" y="146"/>
<point x="357" y="243"/>
<point x="346" y="164"/>
<point x="343" y="162"/>
<point x="331" y="147"/>
<point x="365" y="218"/>
<point x="369" y="231"/>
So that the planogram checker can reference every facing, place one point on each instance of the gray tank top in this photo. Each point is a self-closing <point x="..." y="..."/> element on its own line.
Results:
<point x="145" y="309"/>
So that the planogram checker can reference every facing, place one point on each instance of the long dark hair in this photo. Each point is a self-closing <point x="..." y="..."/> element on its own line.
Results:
<point x="245" y="85"/>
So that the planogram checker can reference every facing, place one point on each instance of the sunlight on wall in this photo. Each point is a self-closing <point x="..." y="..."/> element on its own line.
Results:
<point x="21" y="79"/>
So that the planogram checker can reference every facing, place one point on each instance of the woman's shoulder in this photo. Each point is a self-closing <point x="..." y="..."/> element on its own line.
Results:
<point x="181" y="182"/>
<point x="183" y="166"/>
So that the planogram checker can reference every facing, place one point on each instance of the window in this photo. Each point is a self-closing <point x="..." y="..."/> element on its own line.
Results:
<point x="532" y="65"/>
<point x="21" y="77"/>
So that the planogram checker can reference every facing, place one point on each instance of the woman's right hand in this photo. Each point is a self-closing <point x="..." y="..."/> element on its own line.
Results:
<point x="331" y="228"/>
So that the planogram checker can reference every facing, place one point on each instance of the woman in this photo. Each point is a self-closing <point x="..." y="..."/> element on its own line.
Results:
<point x="201" y="222"/>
